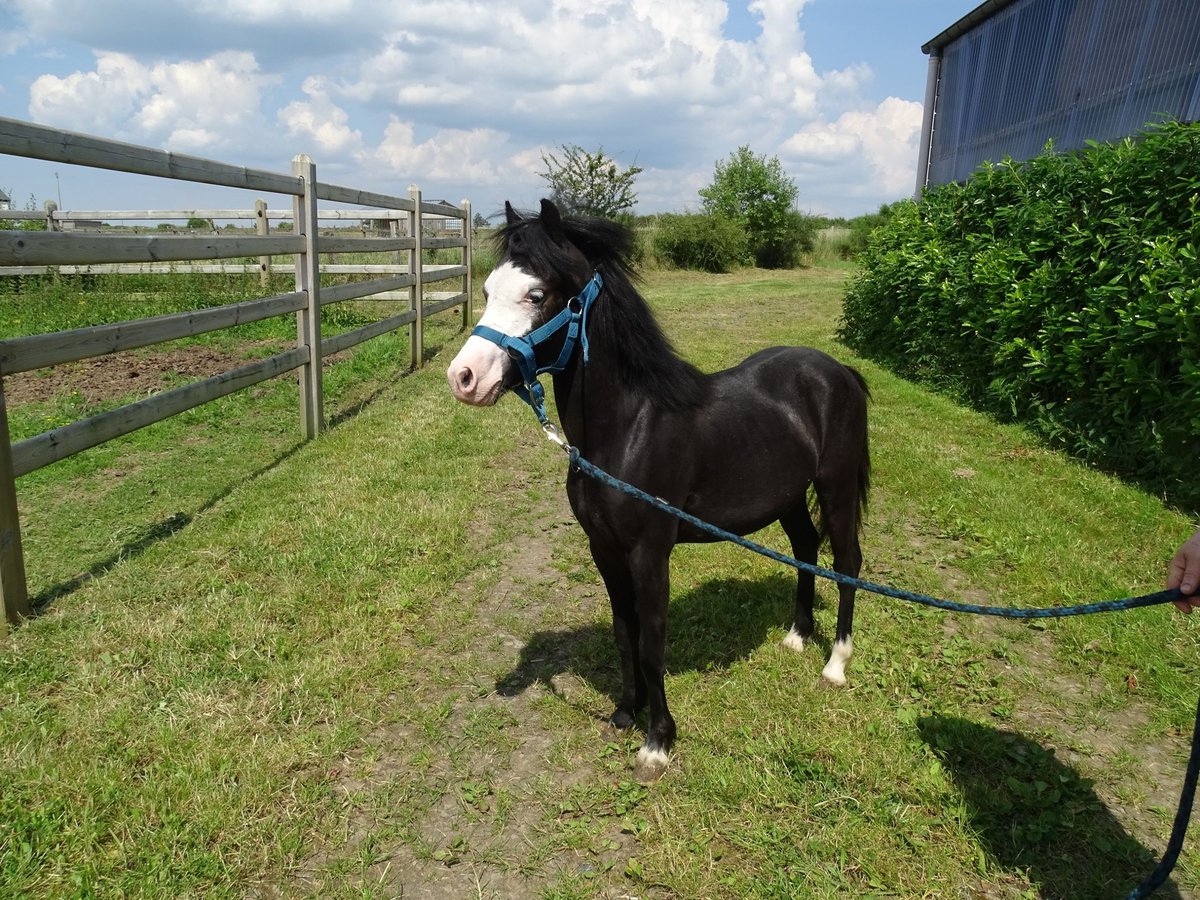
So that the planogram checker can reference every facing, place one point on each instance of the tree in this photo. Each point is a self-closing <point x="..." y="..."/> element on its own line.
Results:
<point x="758" y="195"/>
<point x="479" y="221"/>
<point x="590" y="184"/>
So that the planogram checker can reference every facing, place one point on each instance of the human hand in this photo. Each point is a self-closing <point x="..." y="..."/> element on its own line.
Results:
<point x="1184" y="573"/>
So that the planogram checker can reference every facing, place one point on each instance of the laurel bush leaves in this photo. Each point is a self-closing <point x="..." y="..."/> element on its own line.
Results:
<point x="1060" y="292"/>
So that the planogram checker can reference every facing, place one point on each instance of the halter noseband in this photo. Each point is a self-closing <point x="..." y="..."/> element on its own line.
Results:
<point x="523" y="349"/>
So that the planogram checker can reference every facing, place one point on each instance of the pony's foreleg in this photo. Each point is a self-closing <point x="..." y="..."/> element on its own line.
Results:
<point x="805" y="540"/>
<point x="650" y="568"/>
<point x="619" y="583"/>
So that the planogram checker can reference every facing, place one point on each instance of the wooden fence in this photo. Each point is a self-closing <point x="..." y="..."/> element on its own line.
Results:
<point x="403" y="275"/>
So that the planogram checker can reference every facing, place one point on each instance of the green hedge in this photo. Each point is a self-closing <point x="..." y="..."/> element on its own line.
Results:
<point x="707" y="243"/>
<point x="1062" y="293"/>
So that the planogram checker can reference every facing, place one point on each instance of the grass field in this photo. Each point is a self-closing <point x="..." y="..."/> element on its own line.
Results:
<point x="379" y="664"/>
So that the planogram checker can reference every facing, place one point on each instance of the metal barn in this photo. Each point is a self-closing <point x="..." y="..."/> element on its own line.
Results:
<point x="1013" y="74"/>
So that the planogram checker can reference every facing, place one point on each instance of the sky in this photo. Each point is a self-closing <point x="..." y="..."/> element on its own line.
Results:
<point x="463" y="97"/>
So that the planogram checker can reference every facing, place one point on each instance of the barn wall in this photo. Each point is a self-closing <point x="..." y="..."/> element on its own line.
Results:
<point x="1066" y="71"/>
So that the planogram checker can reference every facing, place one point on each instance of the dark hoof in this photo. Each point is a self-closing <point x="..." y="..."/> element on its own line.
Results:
<point x="621" y="720"/>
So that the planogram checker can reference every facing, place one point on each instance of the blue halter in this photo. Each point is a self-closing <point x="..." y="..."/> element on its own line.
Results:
<point x="572" y="317"/>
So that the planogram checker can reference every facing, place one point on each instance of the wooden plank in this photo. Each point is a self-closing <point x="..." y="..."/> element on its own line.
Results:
<point x="308" y="281"/>
<point x="262" y="227"/>
<point x="139" y="214"/>
<point x="13" y="586"/>
<point x="443" y="304"/>
<point x="468" y="313"/>
<point x="36" y="452"/>
<point x="439" y="243"/>
<point x="40" y="350"/>
<point x="363" y="214"/>
<point x="441" y="210"/>
<point x="348" y="339"/>
<point x="441" y="273"/>
<point x="25" y="248"/>
<point x="337" y="194"/>
<point x="19" y="138"/>
<point x="363" y="269"/>
<point x="355" y="289"/>
<point x="152" y="269"/>
<point x="416" y="296"/>
<point x="363" y="245"/>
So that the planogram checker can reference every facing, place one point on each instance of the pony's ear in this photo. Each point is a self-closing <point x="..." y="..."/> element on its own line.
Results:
<point x="552" y="221"/>
<point x="510" y="215"/>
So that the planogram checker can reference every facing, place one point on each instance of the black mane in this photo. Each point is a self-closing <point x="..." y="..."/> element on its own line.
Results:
<point x="621" y="324"/>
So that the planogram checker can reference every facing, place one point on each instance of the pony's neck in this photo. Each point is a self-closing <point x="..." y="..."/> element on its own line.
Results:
<point x="632" y="370"/>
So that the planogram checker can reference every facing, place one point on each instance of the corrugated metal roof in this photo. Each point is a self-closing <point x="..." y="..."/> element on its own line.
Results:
<point x="978" y="15"/>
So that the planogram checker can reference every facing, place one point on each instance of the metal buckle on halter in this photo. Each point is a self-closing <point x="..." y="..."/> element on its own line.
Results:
<point x="554" y="437"/>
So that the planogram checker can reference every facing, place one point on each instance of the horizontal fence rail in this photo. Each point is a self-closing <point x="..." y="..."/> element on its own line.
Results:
<point x="85" y="242"/>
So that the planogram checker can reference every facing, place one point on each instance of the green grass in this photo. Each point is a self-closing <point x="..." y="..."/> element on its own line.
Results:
<point x="379" y="663"/>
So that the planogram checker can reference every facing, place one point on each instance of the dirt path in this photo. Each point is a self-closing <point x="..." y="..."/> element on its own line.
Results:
<point x="455" y="803"/>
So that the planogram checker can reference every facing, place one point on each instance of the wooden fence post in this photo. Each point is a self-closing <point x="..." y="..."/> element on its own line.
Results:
<point x="52" y="224"/>
<point x="469" y="234"/>
<point x="263" y="227"/>
<point x="417" y="295"/>
<point x="12" y="557"/>
<point x="308" y="280"/>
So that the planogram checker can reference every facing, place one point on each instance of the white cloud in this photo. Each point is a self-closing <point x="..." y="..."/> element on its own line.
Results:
<point x="95" y="100"/>
<point x="320" y="120"/>
<point x="468" y="92"/>
<point x="474" y="156"/>
<point x="875" y="148"/>
<point x="187" y="106"/>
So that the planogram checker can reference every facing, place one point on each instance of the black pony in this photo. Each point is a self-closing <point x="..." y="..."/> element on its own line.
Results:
<point x="738" y="448"/>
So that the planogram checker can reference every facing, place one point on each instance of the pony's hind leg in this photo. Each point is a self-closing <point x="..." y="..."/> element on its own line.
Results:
<point x="798" y="526"/>
<point x="840" y="513"/>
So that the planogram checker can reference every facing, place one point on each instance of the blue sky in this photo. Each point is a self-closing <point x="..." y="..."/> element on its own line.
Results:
<point x="463" y="96"/>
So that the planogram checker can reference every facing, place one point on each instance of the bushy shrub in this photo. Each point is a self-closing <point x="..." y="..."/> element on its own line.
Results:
<point x="781" y="249"/>
<point x="1062" y="292"/>
<point x="707" y="243"/>
<point x="862" y="227"/>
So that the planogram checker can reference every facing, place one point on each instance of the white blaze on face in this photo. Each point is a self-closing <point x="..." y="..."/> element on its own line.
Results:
<point x="477" y="374"/>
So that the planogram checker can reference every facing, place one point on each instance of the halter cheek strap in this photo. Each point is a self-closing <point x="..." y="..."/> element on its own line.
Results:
<point x="523" y="349"/>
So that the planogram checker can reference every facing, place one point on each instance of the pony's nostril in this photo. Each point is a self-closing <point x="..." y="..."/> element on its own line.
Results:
<point x="466" y="378"/>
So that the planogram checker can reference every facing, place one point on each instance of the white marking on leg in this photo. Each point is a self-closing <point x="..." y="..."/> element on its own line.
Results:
<point x="651" y="763"/>
<point x="835" y="670"/>
<point x="793" y="640"/>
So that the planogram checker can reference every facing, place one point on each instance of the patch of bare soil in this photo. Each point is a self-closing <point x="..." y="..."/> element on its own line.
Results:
<point x="105" y="378"/>
<point x="476" y="799"/>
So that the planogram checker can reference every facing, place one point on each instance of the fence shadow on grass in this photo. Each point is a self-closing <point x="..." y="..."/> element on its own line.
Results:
<point x="1033" y="813"/>
<point x="711" y="626"/>
<point x="148" y="535"/>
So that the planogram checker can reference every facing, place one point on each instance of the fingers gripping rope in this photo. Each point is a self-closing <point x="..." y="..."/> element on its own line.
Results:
<point x="1184" y="813"/>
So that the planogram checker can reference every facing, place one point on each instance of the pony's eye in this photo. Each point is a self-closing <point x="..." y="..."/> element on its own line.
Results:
<point x="537" y="296"/>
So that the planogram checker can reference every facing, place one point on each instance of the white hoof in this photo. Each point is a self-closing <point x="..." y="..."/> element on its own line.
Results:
<point x="835" y="670"/>
<point x="650" y="764"/>
<point x="793" y="641"/>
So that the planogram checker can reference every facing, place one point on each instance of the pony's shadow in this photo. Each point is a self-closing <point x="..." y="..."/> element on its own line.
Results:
<point x="1035" y="814"/>
<point x="709" y="627"/>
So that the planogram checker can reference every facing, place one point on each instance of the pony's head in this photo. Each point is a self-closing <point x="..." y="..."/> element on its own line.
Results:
<point x="540" y="270"/>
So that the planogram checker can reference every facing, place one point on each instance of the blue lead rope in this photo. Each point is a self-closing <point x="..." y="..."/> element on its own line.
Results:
<point x="1187" y="795"/>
